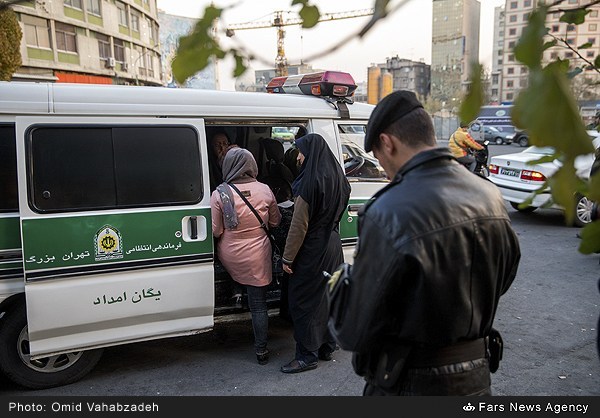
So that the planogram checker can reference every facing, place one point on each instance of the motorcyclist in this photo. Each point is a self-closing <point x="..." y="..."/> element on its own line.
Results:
<point x="462" y="145"/>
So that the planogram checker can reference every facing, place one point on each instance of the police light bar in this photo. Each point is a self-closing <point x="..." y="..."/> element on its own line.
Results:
<point x="323" y="83"/>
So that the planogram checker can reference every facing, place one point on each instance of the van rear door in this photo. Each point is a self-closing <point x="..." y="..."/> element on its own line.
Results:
<point x="116" y="230"/>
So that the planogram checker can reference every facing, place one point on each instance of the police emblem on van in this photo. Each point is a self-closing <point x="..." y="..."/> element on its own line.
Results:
<point x="108" y="244"/>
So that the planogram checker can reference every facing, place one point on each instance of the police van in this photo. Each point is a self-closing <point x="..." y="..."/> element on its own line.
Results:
<point x="105" y="221"/>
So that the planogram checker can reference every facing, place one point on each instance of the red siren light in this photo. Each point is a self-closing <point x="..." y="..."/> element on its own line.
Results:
<point x="323" y="83"/>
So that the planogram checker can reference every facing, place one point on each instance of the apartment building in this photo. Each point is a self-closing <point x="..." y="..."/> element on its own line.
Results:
<point x="455" y="45"/>
<point x="90" y="41"/>
<point x="497" y="55"/>
<point x="514" y="75"/>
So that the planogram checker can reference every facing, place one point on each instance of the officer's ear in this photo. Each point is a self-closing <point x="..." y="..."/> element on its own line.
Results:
<point x="387" y="143"/>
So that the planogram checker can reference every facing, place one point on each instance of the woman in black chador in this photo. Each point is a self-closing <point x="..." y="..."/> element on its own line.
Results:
<point x="321" y="192"/>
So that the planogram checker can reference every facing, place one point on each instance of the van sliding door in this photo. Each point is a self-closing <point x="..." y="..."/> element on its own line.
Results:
<point x="115" y="225"/>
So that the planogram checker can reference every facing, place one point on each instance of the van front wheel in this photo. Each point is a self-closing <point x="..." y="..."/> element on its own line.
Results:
<point x="47" y="372"/>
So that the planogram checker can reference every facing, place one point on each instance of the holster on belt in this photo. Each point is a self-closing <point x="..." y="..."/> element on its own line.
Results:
<point x="495" y="347"/>
<point x="385" y="366"/>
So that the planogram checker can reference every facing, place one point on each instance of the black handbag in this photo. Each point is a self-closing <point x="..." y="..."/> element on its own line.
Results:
<point x="276" y="252"/>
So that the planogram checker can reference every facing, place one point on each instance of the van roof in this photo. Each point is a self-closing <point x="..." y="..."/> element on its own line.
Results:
<point x="24" y="98"/>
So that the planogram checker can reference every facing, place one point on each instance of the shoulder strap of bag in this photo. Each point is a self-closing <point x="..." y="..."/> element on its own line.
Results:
<point x="262" y="224"/>
<point x="456" y="142"/>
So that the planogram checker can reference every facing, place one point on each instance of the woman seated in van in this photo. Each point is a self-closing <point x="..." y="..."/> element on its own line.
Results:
<point x="242" y="244"/>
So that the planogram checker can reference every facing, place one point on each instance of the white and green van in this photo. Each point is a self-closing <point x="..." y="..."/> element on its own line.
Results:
<point x="105" y="223"/>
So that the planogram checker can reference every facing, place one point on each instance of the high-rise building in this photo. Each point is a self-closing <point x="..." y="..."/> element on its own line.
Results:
<point x="515" y="75"/>
<point x="455" y="46"/>
<point x="397" y="74"/>
<point x="89" y="41"/>
<point x="497" y="56"/>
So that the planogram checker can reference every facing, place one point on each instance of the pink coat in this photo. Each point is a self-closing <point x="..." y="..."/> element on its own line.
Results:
<point x="246" y="251"/>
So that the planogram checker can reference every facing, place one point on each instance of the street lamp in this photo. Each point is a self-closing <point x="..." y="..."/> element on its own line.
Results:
<point x="140" y="56"/>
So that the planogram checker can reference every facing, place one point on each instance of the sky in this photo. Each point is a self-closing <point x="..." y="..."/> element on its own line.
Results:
<point x="406" y="33"/>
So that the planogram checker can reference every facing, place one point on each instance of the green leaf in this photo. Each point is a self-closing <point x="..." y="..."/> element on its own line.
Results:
<point x="469" y="109"/>
<point x="310" y="16"/>
<point x="563" y="129"/>
<point x="550" y="44"/>
<point x="590" y="238"/>
<point x="597" y="62"/>
<point x="530" y="48"/>
<point x="585" y="45"/>
<point x="563" y="184"/>
<point x="240" y="66"/>
<point x="576" y="17"/>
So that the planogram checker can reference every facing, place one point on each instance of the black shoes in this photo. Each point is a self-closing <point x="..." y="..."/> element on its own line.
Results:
<point x="262" y="358"/>
<point x="297" y="366"/>
<point x="237" y="300"/>
<point x="326" y="356"/>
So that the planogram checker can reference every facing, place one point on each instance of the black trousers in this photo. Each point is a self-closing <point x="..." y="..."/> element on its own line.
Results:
<point x="468" y="378"/>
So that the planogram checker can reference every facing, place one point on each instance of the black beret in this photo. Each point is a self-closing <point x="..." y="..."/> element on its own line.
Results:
<point x="391" y="108"/>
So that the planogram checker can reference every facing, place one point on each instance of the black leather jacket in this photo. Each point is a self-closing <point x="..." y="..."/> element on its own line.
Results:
<point x="436" y="251"/>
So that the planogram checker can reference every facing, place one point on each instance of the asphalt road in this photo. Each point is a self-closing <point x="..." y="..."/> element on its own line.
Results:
<point x="548" y="319"/>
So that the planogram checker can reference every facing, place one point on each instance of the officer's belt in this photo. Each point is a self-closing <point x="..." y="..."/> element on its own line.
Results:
<point x="451" y="354"/>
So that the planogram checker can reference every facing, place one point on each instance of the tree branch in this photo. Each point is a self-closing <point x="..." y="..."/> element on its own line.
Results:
<point x="576" y="51"/>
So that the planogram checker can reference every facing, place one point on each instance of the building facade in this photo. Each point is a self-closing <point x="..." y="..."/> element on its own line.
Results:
<point x="515" y="75"/>
<point x="397" y="74"/>
<point x="497" y="56"/>
<point x="455" y="45"/>
<point x="90" y="41"/>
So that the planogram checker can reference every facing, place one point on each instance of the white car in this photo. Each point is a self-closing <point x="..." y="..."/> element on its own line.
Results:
<point x="517" y="180"/>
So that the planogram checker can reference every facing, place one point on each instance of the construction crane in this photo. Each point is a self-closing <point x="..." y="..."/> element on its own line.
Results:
<point x="279" y="22"/>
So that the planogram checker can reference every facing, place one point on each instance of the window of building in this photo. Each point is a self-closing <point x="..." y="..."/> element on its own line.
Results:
<point x="510" y="84"/>
<point x="500" y="61"/>
<point x="149" y="66"/>
<point x="526" y="17"/>
<point x="511" y="58"/>
<point x="119" y="50"/>
<point x="527" y="3"/>
<point x="37" y="32"/>
<point x="570" y="41"/>
<point x="570" y="28"/>
<point x="554" y="55"/>
<point x="589" y="54"/>
<point x="123" y="18"/>
<point x="66" y="37"/>
<point x="524" y="70"/>
<point x="510" y="70"/>
<point x="593" y="27"/>
<point x="135" y="21"/>
<point x="555" y="28"/>
<point x="509" y="96"/>
<point x="127" y="158"/>
<point x="512" y="18"/>
<point x="594" y="13"/>
<point x="76" y="4"/>
<point x="514" y="4"/>
<point x="592" y="40"/>
<point x="512" y="31"/>
<point x="103" y="46"/>
<point x="573" y="1"/>
<point x="495" y="79"/>
<point x="568" y="55"/>
<point x="93" y="7"/>
<point x="8" y="169"/>
<point x="511" y="44"/>
<point x="494" y="92"/>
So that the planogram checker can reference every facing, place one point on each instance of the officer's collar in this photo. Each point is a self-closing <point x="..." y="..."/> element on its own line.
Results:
<point x="422" y="158"/>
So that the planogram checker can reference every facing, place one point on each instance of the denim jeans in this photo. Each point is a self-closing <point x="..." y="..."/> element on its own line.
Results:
<point x="257" y="301"/>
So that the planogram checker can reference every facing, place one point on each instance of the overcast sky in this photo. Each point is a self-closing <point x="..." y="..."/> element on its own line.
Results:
<point x="406" y="33"/>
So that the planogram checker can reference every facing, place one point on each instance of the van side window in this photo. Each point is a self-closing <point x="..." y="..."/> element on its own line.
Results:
<point x="8" y="170"/>
<point x="87" y="168"/>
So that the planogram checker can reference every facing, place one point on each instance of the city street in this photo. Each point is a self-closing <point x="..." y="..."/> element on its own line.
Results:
<point x="548" y="319"/>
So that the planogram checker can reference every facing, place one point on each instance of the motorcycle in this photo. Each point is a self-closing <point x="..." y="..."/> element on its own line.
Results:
<point x="481" y="158"/>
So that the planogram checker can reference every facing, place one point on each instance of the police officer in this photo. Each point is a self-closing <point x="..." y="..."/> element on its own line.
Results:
<point x="436" y="251"/>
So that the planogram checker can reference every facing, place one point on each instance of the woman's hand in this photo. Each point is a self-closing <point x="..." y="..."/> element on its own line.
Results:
<point x="287" y="269"/>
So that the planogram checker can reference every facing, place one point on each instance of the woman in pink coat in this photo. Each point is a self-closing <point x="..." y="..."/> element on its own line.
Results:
<point x="243" y="246"/>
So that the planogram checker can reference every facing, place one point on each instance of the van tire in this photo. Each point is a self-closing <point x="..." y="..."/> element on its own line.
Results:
<point x="35" y="374"/>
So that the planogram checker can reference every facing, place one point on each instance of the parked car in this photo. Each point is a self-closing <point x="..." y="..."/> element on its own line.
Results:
<point x="521" y="138"/>
<point x="283" y="133"/>
<point x="517" y="179"/>
<point x="495" y="136"/>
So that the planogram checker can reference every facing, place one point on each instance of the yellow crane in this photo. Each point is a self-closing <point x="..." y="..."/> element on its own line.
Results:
<point x="279" y="22"/>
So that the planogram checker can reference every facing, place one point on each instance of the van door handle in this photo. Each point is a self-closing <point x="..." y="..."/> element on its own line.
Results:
<point x="353" y="209"/>
<point x="194" y="225"/>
